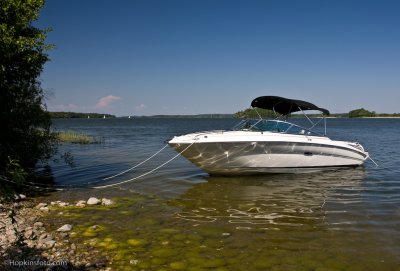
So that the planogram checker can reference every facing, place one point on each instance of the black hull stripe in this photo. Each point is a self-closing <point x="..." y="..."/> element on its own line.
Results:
<point x="298" y="144"/>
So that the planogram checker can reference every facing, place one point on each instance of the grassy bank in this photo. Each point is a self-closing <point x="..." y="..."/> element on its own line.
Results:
<point x="78" y="138"/>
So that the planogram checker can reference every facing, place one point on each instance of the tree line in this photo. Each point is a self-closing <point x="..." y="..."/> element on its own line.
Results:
<point x="75" y="115"/>
<point x="356" y="113"/>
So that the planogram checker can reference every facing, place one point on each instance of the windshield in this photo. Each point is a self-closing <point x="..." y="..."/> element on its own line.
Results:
<point x="276" y="126"/>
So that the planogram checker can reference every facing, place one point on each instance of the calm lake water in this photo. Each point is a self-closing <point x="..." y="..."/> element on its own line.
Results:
<point x="179" y="218"/>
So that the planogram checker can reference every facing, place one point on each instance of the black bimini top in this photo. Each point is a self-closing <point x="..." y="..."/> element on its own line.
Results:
<point x="285" y="106"/>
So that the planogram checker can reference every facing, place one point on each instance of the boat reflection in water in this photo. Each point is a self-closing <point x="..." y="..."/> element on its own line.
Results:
<point x="271" y="201"/>
<point x="292" y="221"/>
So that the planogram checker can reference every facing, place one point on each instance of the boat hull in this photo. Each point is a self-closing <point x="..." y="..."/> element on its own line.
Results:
<point x="255" y="157"/>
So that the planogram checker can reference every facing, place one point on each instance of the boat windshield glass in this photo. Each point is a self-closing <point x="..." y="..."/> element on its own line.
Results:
<point x="276" y="126"/>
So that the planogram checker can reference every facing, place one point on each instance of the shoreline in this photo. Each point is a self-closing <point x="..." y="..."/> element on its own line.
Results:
<point x="227" y="117"/>
<point x="28" y="238"/>
<point x="392" y="117"/>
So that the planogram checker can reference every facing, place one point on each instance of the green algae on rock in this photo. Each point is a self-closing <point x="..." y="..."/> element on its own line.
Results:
<point x="136" y="242"/>
<point x="165" y="252"/>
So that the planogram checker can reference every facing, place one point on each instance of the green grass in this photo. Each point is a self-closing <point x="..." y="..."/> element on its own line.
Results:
<point x="77" y="138"/>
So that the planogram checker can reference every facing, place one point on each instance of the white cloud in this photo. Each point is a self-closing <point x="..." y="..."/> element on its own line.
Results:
<point x="106" y="101"/>
<point x="140" y="107"/>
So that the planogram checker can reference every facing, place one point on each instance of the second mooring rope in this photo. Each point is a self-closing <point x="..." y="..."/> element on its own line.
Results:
<point x="141" y="163"/>
<point x="147" y="173"/>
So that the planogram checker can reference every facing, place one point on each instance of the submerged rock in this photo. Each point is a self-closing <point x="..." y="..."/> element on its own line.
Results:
<point x="63" y="204"/>
<point x="19" y="196"/>
<point x="65" y="228"/>
<point x="136" y="242"/>
<point x="178" y="265"/>
<point x="165" y="252"/>
<point x="81" y="203"/>
<point x="133" y="262"/>
<point x="93" y="201"/>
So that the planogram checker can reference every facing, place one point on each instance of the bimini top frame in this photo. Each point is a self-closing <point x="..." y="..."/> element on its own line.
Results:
<point x="285" y="107"/>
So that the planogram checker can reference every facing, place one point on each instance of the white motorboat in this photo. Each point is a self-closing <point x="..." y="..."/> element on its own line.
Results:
<point x="269" y="146"/>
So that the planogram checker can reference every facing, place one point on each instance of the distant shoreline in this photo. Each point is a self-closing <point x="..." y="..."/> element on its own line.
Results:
<point x="74" y="115"/>
<point x="378" y="117"/>
<point x="209" y="117"/>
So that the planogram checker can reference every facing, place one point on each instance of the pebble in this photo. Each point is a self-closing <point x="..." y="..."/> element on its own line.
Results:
<point x="65" y="228"/>
<point x="133" y="262"/>
<point x="35" y="235"/>
<point x="93" y="201"/>
<point x="41" y="205"/>
<point x="29" y="234"/>
<point x="45" y="240"/>
<point x="43" y="236"/>
<point x="94" y="227"/>
<point x="38" y="225"/>
<point x="107" y="202"/>
<point x="22" y="196"/>
<point x="81" y="203"/>
<point x="50" y="243"/>
<point x="63" y="204"/>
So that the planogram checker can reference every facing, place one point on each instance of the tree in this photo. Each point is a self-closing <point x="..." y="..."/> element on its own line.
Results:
<point x="359" y="113"/>
<point x="255" y="113"/>
<point x="25" y="135"/>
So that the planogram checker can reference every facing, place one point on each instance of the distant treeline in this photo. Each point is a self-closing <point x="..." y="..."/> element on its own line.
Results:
<point x="75" y="115"/>
<point x="356" y="113"/>
<point x="360" y="113"/>
<point x="248" y="113"/>
<point x="252" y="113"/>
<point x="199" y="116"/>
<point x="266" y="113"/>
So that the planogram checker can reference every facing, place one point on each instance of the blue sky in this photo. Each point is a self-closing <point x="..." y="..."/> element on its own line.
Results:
<point x="214" y="56"/>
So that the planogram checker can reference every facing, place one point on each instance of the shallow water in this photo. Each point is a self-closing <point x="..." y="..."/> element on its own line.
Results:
<point x="179" y="218"/>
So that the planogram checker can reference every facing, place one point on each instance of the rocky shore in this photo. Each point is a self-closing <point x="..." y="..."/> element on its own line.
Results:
<point x="27" y="242"/>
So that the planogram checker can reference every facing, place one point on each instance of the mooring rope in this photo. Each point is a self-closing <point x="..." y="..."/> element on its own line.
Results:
<point x="369" y="157"/>
<point x="141" y="163"/>
<point x="63" y="188"/>
<point x="32" y="185"/>
<point x="147" y="173"/>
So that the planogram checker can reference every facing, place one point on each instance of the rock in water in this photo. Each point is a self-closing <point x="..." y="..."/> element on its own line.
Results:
<point x="81" y="203"/>
<point x="65" y="228"/>
<point x="21" y="197"/>
<point x="107" y="202"/>
<point x="93" y="201"/>
<point x="63" y="204"/>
